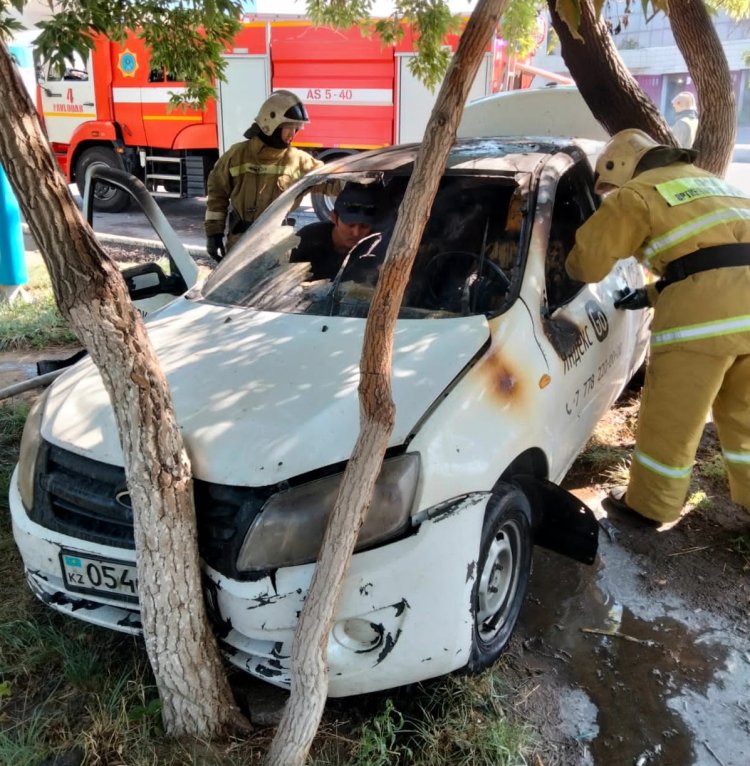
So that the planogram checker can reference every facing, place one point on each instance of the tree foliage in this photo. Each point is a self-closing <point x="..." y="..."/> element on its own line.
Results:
<point x="187" y="37"/>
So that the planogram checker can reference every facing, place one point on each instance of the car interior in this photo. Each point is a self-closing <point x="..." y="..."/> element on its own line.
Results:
<point x="574" y="203"/>
<point x="469" y="260"/>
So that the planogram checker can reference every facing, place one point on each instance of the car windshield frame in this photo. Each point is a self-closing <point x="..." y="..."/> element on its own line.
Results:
<point x="470" y="260"/>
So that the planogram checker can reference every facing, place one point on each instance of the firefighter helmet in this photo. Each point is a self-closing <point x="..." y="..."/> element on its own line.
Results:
<point x="281" y="108"/>
<point x="617" y="163"/>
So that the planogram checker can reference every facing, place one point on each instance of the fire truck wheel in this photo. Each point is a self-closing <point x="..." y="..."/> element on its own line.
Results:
<point x="323" y="203"/>
<point x="107" y="199"/>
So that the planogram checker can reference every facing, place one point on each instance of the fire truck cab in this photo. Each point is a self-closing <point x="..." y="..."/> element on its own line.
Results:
<point x="115" y="110"/>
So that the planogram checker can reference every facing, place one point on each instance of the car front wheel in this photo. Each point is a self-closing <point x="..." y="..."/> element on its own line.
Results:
<point x="503" y="573"/>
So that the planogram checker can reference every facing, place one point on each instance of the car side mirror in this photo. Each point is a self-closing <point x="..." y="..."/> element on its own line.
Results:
<point x="149" y="279"/>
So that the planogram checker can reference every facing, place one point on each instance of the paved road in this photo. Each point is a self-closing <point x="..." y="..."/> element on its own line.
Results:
<point x="185" y="215"/>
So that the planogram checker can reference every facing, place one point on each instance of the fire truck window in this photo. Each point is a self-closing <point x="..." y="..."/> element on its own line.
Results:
<point x="74" y="71"/>
<point x="160" y="75"/>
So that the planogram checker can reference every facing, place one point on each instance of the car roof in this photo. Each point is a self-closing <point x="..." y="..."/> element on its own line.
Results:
<point x="511" y="154"/>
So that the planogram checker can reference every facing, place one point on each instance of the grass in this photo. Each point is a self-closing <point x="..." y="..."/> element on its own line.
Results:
<point x="76" y="692"/>
<point x="740" y="544"/>
<point x="36" y="324"/>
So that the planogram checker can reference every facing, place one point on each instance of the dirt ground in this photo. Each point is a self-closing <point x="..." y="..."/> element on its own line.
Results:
<point x="644" y="658"/>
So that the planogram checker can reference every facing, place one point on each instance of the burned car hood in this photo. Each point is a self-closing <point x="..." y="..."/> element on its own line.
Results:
<point x="265" y="396"/>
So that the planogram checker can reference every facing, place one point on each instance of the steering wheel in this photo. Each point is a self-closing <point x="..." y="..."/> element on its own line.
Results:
<point x="432" y="271"/>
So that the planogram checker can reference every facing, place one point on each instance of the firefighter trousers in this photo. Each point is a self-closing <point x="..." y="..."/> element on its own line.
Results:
<point x="681" y="387"/>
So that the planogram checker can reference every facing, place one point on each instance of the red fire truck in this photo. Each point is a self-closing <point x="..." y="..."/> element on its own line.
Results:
<point x="114" y="109"/>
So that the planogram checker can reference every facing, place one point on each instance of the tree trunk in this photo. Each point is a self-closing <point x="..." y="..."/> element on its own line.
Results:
<point x="91" y="295"/>
<point x="611" y="92"/>
<point x="309" y="653"/>
<point x="616" y="99"/>
<point x="701" y="48"/>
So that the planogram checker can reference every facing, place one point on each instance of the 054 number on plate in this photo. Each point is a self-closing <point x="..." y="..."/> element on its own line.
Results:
<point x="100" y="576"/>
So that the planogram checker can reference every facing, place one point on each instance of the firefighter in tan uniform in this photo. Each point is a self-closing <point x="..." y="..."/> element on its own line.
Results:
<point x="693" y="230"/>
<point x="251" y="174"/>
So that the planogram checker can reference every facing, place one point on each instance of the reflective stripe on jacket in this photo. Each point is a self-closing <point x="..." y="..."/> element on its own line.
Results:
<point x="251" y="175"/>
<point x="660" y="216"/>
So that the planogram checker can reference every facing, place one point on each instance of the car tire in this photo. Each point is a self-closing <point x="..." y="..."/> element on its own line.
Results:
<point x="107" y="199"/>
<point x="502" y="576"/>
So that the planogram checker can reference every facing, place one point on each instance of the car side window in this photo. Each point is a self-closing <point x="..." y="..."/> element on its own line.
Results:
<point x="574" y="203"/>
<point x="470" y="250"/>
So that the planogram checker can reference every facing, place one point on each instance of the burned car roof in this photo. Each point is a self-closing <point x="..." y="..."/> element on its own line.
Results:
<point x="497" y="154"/>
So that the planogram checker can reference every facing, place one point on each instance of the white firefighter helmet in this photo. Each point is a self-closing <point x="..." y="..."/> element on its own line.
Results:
<point x="617" y="163"/>
<point x="683" y="101"/>
<point x="281" y="108"/>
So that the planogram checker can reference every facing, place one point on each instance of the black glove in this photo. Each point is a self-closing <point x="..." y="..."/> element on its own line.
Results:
<point x="631" y="299"/>
<point x="215" y="246"/>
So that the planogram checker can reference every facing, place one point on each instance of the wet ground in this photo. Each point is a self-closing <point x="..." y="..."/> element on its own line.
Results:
<point x="639" y="660"/>
<point x="638" y="673"/>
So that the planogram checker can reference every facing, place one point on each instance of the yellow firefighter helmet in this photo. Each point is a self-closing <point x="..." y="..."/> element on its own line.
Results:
<point x="281" y="108"/>
<point x="617" y="163"/>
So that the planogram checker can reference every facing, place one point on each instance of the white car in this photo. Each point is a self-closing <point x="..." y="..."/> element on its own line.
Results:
<point x="501" y="368"/>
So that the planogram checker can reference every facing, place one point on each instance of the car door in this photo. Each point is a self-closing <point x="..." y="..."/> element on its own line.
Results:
<point x="593" y="343"/>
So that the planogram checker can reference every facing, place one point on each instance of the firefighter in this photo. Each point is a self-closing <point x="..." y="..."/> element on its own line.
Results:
<point x="251" y="174"/>
<point x="693" y="230"/>
<point x="686" y="119"/>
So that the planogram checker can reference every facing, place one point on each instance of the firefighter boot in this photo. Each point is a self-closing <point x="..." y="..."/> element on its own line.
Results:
<point x="615" y="501"/>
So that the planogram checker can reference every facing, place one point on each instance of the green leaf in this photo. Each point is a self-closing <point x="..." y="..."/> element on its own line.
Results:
<point x="570" y="12"/>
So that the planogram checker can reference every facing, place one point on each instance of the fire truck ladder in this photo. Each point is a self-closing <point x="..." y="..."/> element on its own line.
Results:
<point x="180" y="176"/>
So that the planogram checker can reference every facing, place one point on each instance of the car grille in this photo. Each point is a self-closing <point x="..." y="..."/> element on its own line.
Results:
<point x="88" y="500"/>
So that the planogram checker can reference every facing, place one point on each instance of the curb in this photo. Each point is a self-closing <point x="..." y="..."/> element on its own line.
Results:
<point x="151" y="246"/>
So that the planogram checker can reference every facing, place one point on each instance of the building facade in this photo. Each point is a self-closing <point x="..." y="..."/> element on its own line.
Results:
<point x="650" y="52"/>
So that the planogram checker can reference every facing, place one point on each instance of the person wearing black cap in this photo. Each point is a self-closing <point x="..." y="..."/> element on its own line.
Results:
<point x="325" y="245"/>
<point x="251" y="174"/>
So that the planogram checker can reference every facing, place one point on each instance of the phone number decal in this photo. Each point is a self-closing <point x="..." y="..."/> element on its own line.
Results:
<point x="579" y="397"/>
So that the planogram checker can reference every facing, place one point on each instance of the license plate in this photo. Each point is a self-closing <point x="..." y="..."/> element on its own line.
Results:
<point x="100" y="576"/>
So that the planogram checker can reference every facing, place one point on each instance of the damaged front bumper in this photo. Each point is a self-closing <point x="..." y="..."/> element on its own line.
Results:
<point x="404" y="613"/>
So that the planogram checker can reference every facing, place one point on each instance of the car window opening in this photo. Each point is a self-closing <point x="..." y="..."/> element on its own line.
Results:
<point x="469" y="260"/>
<point x="572" y="207"/>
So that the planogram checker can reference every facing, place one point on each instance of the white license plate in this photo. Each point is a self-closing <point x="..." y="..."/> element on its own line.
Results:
<point x="100" y="576"/>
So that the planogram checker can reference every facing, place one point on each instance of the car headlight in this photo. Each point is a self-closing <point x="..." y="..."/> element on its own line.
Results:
<point x="30" y="443"/>
<point x="289" y="529"/>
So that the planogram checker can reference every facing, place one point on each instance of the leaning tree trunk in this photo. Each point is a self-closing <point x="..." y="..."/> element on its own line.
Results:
<point x="377" y="411"/>
<point x="91" y="295"/>
<point x="611" y="92"/>
<point x="701" y="48"/>
<point x="616" y="99"/>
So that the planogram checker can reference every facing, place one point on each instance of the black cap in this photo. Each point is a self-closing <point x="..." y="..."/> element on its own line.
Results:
<point x="356" y="204"/>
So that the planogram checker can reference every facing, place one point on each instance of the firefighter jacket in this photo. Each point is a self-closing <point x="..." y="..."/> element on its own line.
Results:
<point x="250" y="175"/>
<point x="659" y="216"/>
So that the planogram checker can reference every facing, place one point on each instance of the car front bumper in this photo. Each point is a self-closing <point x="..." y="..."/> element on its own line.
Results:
<point x="404" y="613"/>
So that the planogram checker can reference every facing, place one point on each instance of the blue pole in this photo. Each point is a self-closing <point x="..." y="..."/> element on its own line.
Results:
<point x="12" y="253"/>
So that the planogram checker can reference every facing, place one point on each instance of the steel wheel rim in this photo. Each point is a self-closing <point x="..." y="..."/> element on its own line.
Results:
<point x="498" y="581"/>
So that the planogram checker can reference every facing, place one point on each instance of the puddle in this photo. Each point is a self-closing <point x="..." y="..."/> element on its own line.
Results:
<point x="670" y="686"/>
